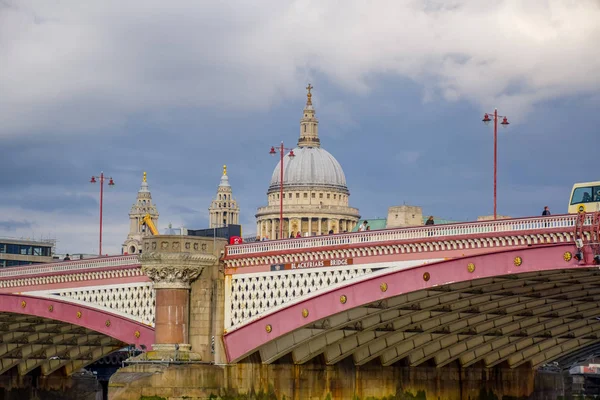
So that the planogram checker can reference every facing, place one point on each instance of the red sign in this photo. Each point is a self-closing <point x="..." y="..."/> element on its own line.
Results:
<point x="235" y="240"/>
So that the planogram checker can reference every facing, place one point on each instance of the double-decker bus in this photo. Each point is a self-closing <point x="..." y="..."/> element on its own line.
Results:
<point x="585" y="197"/>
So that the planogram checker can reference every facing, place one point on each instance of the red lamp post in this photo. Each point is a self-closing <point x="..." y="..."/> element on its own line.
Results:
<point x="291" y="154"/>
<point x="486" y="120"/>
<point x="101" y="179"/>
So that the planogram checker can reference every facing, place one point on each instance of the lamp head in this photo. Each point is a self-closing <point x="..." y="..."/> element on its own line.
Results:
<point x="486" y="119"/>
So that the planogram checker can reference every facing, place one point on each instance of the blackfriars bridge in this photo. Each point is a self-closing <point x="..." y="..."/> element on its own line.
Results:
<point x="448" y="311"/>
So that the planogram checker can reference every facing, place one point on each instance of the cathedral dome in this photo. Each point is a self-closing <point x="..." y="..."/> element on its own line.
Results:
<point x="311" y="167"/>
<point x="316" y="195"/>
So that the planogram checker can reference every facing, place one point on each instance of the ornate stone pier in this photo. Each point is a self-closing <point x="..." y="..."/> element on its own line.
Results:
<point x="175" y="263"/>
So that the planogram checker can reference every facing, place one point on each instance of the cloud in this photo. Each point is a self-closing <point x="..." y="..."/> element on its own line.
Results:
<point x="73" y="64"/>
<point x="180" y="89"/>
<point x="42" y="200"/>
<point x="12" y="225"/>
<point x="408" y="157"/>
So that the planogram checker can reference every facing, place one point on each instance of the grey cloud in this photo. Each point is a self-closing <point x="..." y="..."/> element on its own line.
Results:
<point x="93" y="65"/>
<point x="128" y="87"/>
<point x="12" y="225"/>
<point x="66" y="203"/>
<point x="180" y="209"/>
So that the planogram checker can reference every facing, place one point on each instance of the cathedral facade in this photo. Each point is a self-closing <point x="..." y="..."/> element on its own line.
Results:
<point x="315" y="194"/>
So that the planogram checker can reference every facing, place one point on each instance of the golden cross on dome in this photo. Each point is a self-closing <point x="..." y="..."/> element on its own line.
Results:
<point x="144" y="177"/>
<point x="309" y="94"/>
<point x="224" y="170"/>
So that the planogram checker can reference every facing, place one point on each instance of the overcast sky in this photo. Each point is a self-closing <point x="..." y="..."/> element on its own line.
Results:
<point x="179" y="88"/>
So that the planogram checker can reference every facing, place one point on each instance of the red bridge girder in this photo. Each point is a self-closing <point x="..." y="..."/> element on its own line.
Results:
<point x="528" y="305"/>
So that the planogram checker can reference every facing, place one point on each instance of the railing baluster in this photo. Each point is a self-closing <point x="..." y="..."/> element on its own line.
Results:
<point x="412" y="233"/>
<point x="105" y="262"/>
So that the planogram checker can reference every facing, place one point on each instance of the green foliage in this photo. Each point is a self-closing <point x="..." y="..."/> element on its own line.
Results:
<point x="270" y="395"/>
<point x="398" y="396"/>
<point x="260" y="395"/>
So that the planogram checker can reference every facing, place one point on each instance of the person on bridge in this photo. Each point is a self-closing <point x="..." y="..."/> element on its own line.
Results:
<point x="363" y="227"/>
<point x="546" y="211"/>
<point x="430" y="221"/>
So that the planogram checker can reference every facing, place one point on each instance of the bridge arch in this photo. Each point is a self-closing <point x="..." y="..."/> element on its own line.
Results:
<point x="524" y="306"/>
<point x="51" y="334"/>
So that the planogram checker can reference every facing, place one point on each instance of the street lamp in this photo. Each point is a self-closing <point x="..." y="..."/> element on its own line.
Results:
<point x="101" y="179"/>
<point x="291" y="154"/>
<point x="486" y="120"/>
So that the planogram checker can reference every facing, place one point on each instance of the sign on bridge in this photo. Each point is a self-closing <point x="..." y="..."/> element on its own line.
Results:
<point x="312" y="264"/>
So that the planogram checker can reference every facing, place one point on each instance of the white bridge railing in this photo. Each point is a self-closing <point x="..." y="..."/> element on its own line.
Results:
<point x="513" y="226"/>
<point x="69" y="266"/>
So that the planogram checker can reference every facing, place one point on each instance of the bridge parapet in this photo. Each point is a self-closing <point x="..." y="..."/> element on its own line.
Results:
<point x="111" y="284"/>
<point x="109" y="262"/>
<point x="467" y="229"/>
<point x="481" y="234"/>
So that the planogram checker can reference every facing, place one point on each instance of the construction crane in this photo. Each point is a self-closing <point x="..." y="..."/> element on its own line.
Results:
<point x="147" y="220"/>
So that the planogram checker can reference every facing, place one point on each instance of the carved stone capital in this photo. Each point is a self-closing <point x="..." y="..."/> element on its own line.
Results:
<point x="174" y="270"/>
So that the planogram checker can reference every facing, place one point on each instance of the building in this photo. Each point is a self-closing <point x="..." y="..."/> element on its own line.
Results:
<point x="315" y="195"/>
<point x="401" y="217"/>
<point x="15" y="252"/>
<point x="224" y="209"/>
<point x="404" y="215"/>
<point x="142" y="207"/>
<point x="491" y="217"/>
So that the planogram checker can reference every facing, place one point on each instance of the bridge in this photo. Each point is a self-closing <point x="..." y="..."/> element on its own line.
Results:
<point x="70" y="314"/>
<point x="510" y="293"/>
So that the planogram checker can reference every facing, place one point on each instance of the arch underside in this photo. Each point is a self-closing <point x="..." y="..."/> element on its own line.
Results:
<point x="533" y="317"/>
<point x="28" y="342"/>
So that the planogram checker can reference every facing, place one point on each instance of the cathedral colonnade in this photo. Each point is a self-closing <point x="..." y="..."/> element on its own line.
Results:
<point x="307" y="226"/>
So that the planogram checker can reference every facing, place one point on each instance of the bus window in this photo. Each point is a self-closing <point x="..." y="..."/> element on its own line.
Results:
<point x="581" y="195"/>
<point x="586" y="194"/>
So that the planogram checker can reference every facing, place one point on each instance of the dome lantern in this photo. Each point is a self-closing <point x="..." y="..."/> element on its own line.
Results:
<point x="309" y="124"/>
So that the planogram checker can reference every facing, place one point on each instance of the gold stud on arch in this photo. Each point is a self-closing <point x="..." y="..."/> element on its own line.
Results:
<point x="268" y="328"/>
<point x="518" y="261"/>
<point x="383" y="287"/>
<point x="304" y="312"/>
<point x="470" y="267"/>
<point x="426" y="276"/>
<point x="567" y="256"/>
<point x="343" y="299"/>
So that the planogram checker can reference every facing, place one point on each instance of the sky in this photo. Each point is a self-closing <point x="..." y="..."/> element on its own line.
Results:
<point x="180" y="88"/>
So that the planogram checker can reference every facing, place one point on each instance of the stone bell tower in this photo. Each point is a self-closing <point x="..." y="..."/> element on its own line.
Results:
<point x="224" y="209"/>
<point x="137" y="231"/>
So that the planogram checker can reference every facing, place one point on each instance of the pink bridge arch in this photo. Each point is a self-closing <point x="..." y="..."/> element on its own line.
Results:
<point x="528" y="305"/>
<point x="111" y="325"/>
